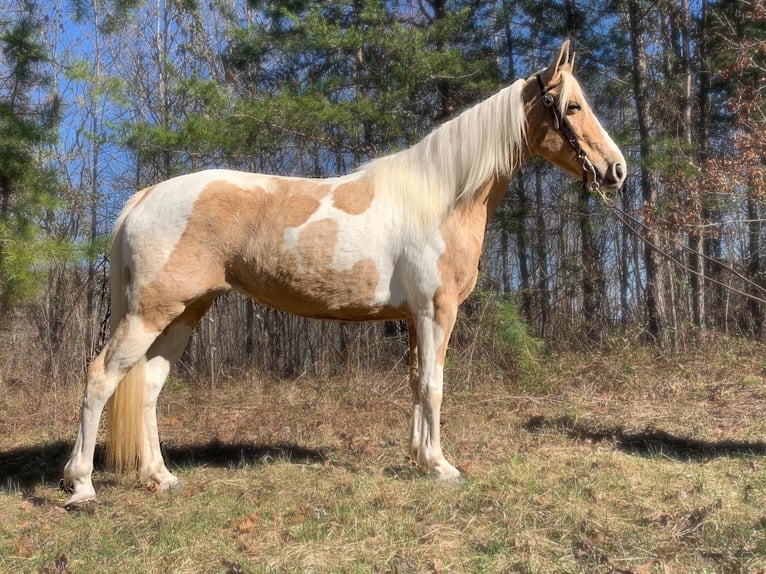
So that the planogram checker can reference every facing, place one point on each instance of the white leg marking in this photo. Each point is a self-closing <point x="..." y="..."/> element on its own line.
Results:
<point x="153" y="468"/>
<point x="417" y="409"/>
<point x="126" y="346"/>
<point x="431" y="378"/>
<point x="165" y="351"/>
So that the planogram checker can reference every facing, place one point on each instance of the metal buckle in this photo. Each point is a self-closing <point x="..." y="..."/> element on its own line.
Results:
<point x="548" y="100"/>
<point x="588" y="168"/>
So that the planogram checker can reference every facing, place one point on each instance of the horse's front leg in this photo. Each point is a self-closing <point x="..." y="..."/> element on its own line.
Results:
<point x="433" y="332"/>
<point x="417" y="409"/>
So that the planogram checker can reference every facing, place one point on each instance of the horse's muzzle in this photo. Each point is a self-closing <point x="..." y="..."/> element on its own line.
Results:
<point x="615" y="175"/>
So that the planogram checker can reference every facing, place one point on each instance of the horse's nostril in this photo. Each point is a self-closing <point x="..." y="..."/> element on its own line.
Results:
<point x="618" y="172"/>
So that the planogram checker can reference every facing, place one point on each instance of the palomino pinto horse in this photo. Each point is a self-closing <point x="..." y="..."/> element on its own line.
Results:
<point x="399" y="239"/>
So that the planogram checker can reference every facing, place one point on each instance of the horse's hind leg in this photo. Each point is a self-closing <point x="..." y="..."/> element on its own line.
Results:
<point x="126" y="346"/>
<point x="165" y="351"/>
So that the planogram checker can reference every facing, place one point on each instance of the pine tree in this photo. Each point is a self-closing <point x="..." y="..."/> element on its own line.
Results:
<point x="330" y="85"/>
<point x="28" y="115"/>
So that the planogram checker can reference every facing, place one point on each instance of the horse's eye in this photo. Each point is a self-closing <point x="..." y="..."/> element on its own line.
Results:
<point x="573" y="107"/>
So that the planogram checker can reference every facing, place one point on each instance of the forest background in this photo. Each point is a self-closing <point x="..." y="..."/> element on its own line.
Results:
<point x="99" y="98"/>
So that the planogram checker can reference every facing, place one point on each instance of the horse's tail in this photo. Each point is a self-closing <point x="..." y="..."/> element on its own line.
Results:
<point x="125" y="447"/>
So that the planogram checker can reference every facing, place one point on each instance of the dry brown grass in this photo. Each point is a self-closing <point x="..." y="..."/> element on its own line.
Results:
<point x="609" y="462"/>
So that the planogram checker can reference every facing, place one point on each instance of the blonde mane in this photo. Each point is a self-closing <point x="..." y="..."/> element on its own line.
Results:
<point x="449" y="165"/>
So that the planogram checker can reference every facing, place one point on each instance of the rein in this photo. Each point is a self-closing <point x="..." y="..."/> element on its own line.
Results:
<point x="636" y="226"/>
<point x="561" y="123"/>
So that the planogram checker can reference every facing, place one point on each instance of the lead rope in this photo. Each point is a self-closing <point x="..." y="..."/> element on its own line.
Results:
<point x="635" y="226"/>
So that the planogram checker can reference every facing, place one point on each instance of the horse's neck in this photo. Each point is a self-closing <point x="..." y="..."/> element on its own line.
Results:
<point x="488" y="197"/>
<point x="463" y="233"/>
<point x="476" y="214"/>
<point x="496" y="189"/>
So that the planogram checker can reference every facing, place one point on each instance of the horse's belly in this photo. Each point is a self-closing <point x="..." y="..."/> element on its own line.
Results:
<point x="359" y="290"/>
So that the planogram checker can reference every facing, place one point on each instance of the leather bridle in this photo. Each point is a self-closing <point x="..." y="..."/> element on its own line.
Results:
<point x="561" y="123"/>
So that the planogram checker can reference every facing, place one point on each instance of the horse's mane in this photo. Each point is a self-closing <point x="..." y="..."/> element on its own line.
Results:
<point x="450" y="165"/>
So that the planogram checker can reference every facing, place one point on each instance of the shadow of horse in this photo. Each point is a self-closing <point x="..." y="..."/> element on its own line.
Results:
<point x="649" y="442"/>
<point x="25" y="468"/>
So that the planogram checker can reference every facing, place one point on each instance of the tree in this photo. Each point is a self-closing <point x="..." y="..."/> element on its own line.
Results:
<point x="739" y="53"/>
<point x="331" y="85"/>
<point x="28" y="116"/>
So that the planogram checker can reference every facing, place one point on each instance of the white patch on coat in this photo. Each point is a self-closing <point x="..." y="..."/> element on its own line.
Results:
<point x="403" y="271"/>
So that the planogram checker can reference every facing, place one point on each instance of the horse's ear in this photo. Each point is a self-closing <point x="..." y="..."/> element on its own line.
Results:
<point x="564" y="61"/>
<point x="565" y="58"/>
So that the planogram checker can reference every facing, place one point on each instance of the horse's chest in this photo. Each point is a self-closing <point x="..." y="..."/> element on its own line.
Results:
<point x="463" y="236"/>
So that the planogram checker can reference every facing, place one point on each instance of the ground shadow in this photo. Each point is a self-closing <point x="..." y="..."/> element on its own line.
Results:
<point x="650" y="441"/>
<point x="24" y="468"/>
<point x="219" y="454"/>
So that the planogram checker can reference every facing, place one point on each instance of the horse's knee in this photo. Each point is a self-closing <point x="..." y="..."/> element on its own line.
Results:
<point x="96" y="367"/>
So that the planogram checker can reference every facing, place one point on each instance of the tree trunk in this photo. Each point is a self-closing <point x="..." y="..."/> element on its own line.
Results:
<point x="592" y="278"/>
<point x="681" y="30"/>
<point x="711" y="243"/>
<point x="505" y="263"/>
<point x="520" y="220"/>
<point x="755" y="309"/>
<point x="541" y="253"/>
<point x="655" y="305"/>
<point x="627" y="252"/>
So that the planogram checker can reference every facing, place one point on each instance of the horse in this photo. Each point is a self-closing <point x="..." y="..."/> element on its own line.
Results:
<point x="398" y="239"/>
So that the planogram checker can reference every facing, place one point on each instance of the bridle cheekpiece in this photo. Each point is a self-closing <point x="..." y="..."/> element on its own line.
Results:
<point x="561" y="123"/>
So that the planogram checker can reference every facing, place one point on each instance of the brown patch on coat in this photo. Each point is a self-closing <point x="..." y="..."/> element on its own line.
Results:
<point x="353" y="197"/>
<point x="196" y="266"/>
<point x="305" y="283"/>
<point x="295" y="199"/>
<point x="324" y="292"/>
<point x="234" y="239"/>
<point x="316" y="243"/>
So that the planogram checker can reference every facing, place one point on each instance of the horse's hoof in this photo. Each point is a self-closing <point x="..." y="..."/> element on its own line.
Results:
<point x="80" y="493"/>
<point x="173" y="487"/>
<point x="169" y="487"/>
<point x="80" y="502"/>
<point x="84" y="506"/>
<point x="448" y="473"/>
<point x="455" y="480"/>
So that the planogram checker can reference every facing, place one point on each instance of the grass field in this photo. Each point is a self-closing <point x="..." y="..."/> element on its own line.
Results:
<point x="611" y="462"/>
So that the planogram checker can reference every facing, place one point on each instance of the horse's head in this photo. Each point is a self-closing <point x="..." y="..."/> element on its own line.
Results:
<point x="562" y="128"/>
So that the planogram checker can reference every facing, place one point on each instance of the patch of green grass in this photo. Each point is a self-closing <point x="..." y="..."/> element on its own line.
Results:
<point x="752" y="382"/>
